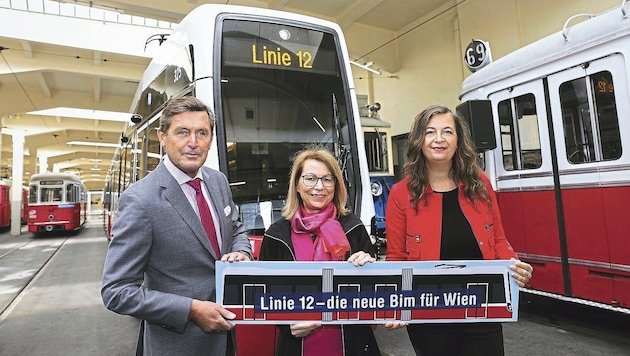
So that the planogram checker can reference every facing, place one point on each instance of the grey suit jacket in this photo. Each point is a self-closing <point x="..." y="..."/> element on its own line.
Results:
<point x="160" y="258"/>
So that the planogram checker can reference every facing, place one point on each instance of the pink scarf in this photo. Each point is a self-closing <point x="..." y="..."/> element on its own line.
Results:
<point x="331" y="243"/>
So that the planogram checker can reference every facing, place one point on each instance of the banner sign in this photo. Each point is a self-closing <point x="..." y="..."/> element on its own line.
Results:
<point x="339" y="293"/>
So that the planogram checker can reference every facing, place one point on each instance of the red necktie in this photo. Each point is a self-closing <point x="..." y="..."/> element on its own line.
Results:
<point x="206" y="216"/>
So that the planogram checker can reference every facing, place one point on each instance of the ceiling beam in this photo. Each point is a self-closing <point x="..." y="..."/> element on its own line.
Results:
<point x="42" y="83"/>
<point x="356" y="11"/>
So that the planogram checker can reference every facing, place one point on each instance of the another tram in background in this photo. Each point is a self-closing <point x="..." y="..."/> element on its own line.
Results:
<point x="57" y="202"/>
<point x="560" y="108"/>
<point x="276" y="81"/>
<point x="5" y="203"/>
<point x="378" y="150"/>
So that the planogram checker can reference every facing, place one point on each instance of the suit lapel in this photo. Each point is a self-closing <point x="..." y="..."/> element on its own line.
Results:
<point x="176" y="197"/>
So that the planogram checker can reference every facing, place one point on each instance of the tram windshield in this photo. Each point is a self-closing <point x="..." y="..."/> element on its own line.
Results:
<point x="281" y="88"/>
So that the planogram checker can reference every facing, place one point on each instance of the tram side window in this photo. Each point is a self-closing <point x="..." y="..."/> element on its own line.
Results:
<point x="590" y="120"/>
<point x="376" y="151"/>
<point x="151" y="150"/>
<point x="70" y="193"/>
<point x="520" y="138"/>
<point x="32" y="194"/>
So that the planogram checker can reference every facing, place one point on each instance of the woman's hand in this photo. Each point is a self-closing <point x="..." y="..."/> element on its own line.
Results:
<point x="393" y="325"/>
<point x="523" y="272"/>
<point x="360" y="258"/>
<point x="303" y="329"/>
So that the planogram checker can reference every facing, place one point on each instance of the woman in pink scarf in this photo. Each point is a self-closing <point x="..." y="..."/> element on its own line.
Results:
<point x="318" y="227"/>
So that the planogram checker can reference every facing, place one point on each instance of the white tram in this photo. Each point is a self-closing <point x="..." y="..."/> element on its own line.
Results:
<point x="276" y="82"/>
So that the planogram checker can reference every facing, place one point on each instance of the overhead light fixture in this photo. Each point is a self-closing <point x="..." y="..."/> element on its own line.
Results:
<point x="83" y="114"/>
<point x="94" y="144"/>
<point x="366" y="66"/>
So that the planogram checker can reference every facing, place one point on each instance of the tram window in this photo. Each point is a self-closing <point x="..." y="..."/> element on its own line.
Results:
<point x="70" y="193"/>
<point x="520" y="138"/>
<point x="270" y="112"/>
<point x="150" y="148"/>
<point x="50" y="195"/>
<point x="376" y="151"/>
<point x="153" y="147"/>
<point x="590" y="120"/>
<point x="481" y="160"/>
<point x="32" y="194"/>
<point x="250" y="292"/>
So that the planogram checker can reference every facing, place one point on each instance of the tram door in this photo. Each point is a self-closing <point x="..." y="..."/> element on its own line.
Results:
<point x="522" y="168"/>
<point x="590" y="109"/>
<point x="249" y="295"/>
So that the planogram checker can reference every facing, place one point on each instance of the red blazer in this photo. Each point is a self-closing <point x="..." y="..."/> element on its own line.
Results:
<point x="417" y="236"/>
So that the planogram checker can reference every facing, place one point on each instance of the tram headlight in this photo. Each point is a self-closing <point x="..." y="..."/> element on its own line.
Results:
<point x="284" y="34"/>
<point x="376" y="188"/>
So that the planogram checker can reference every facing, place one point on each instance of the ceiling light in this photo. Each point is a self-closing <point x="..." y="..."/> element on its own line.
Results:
<point x="83" y="114"/>
<point x="95" y="144"/>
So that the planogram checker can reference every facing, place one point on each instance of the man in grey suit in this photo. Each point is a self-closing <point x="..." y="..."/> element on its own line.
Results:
<point x="160" y="262"/>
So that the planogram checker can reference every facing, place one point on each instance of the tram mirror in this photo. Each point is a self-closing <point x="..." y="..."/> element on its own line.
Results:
<point x="478" y="115"/>
<point x="136" y="118"/>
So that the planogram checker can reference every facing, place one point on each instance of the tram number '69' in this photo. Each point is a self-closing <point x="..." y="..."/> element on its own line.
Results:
<point x="477" y="55"/>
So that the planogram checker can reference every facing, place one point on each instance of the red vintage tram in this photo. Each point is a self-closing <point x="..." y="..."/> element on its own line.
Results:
<point x="5" y="203"/>
<point x="560" y="108"/>
<point x="56" y="202"/>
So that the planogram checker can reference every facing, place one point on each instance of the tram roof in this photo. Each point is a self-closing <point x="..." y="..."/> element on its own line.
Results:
<point x="191" y="30"/>
<point x="600" y="28"/>
<point x="54" y="175"/>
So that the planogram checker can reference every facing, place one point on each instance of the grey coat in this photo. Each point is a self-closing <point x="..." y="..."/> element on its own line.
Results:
<point x="159" y="259"/>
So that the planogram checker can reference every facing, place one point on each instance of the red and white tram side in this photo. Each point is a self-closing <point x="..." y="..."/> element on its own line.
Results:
<point x="560" y="108"/>
<point x="5" y="203"/>
<point x="56" y="202"/>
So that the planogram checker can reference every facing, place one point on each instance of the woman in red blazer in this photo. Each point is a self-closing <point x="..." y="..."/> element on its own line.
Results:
<point x="445" y="209"/>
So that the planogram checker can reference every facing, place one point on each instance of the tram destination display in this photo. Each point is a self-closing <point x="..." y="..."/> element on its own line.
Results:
<point x="338" y="292"/>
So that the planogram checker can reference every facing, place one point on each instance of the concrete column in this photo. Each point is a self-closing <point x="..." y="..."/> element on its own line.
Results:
<point x="42" y="162"/>
<point x="16" y="185"/>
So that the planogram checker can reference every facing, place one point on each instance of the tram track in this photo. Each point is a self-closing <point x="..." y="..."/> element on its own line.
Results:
<point x="577" y="318"/>
<point x="11" y="250"/>
<point x="21" y="266"/>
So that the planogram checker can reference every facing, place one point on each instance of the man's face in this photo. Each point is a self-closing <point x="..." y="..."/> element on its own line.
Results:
<point x="188" y="140"/>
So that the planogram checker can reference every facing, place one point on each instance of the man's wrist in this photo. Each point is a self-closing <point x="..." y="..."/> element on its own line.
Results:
<point x="246" y="253"/>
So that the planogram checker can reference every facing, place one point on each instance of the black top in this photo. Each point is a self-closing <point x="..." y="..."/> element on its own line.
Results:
<point x="358" y="339"/>
<point x="458" y="239"/>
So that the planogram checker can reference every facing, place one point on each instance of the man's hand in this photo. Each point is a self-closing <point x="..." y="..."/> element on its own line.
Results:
<point x="235" y="257"/>
<point x="210" y="316"/>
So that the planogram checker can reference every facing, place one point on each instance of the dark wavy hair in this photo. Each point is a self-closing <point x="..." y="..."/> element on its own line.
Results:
<point x="465" y="167"/>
